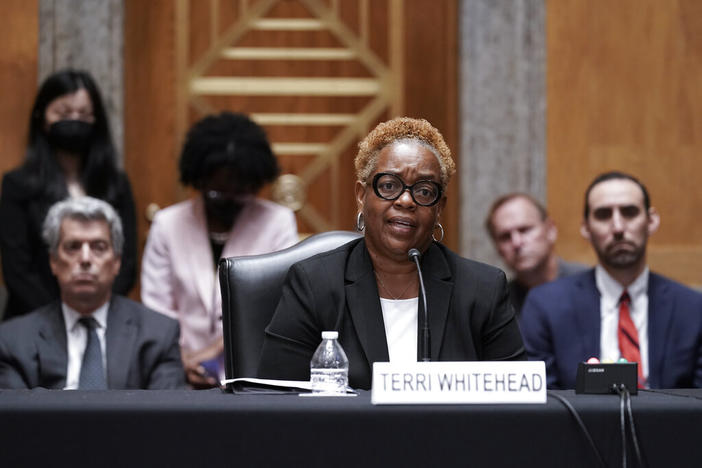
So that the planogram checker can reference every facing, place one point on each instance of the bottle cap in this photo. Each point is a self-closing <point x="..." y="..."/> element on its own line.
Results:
<point x="330" y="335"/>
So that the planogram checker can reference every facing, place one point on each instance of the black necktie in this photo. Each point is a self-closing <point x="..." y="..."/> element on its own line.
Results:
<point x="92" y="376"/>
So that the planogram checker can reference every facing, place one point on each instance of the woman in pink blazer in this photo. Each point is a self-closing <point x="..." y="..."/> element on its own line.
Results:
<point x="227" y="159"/>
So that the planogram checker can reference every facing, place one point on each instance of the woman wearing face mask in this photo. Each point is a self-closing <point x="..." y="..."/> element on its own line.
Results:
<point x="70" y="153"/>
<point x="227" y="159"/>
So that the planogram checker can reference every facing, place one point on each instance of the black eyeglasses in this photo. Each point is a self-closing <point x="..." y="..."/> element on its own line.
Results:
<point x="390" y="187"/>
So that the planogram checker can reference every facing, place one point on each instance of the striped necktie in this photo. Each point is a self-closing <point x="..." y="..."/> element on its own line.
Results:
<point x="628" y="336"/>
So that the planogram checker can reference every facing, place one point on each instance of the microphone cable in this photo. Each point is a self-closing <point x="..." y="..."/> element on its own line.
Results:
<point x="622" y="421"/>
<point x="581" y="425"/>
<point x="634" y="435"/>
<point x="625" y="403"/>
<point x="672" y="392"/>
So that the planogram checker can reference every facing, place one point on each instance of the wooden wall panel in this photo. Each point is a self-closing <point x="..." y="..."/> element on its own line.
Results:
<point x="624" y="92"/>
<point x="151" y="143"/>
<point x="19" y="24"/>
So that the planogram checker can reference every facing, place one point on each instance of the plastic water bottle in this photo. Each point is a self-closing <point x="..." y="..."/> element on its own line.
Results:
<point x="329" y="367"/>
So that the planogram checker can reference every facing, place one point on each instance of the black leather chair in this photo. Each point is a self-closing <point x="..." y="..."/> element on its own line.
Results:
<point x="251" y="288"/>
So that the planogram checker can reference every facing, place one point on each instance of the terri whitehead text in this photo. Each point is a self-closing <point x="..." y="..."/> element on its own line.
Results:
<point x="460" y="382"/>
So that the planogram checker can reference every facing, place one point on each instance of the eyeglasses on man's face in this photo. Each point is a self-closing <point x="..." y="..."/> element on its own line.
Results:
<point x="390" y="187"/>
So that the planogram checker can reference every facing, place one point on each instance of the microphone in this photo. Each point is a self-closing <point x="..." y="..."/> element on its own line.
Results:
<point x="414" y="256"/>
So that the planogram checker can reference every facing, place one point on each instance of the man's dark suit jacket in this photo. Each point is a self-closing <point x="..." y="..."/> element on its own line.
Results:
<point x="141" y="346"/>
<point x="470" y="315"/>
<point x="25" y="257"/>
<point x="561" y="325"/>
<point x="518" y="292"/>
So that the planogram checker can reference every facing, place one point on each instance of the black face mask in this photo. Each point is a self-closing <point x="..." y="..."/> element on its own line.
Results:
<point x="224" y="211"/>
<point x="73" y="136"/>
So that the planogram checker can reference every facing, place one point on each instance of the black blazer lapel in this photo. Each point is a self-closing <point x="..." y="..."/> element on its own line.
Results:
<point x="52" y="349"/>
<point x="364" y="305"/>
<point x="120" y="336"/>
<point x="660" y="312"/>
<point x="439" y="285"/>
<point x="587" y="315"/>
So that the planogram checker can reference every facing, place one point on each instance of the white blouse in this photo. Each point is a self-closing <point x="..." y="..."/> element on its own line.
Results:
<point x="400" y="318"/>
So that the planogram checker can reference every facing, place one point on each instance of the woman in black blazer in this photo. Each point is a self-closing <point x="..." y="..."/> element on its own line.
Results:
<point x="70" y="153"/>
<point x="368" y="289"/>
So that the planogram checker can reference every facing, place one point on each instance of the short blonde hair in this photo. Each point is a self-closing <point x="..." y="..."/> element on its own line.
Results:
<point x="397" y="129"/>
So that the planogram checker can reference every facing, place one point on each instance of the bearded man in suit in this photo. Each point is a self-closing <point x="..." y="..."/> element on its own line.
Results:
<point x="91" y="339"/>
<point x="619" y="308"/>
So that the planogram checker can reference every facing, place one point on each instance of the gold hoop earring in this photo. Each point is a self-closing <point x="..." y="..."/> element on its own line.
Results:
<point x="441" y="228"/>
<point x="360" y="222"/>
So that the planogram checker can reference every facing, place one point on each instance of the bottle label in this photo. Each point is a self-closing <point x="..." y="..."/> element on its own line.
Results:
<point x="329" y="380"/>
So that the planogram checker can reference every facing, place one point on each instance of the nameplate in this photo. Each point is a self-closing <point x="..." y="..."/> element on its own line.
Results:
<point x="458" y="382"/>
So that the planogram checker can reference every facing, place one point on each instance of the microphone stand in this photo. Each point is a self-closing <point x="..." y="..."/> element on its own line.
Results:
<point x="425" y="343"/>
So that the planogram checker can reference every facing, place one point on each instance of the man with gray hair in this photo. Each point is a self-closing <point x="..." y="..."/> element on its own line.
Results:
<point x="91" y="339"/>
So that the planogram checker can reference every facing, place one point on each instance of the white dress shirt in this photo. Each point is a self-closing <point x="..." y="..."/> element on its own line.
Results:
<point x="400" y="319"/>
<point x="77" y="339"/>
<point x="610" y="293"/>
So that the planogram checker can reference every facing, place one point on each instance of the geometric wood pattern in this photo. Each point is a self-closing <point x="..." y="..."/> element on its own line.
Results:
<point x="317" y="75"/>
